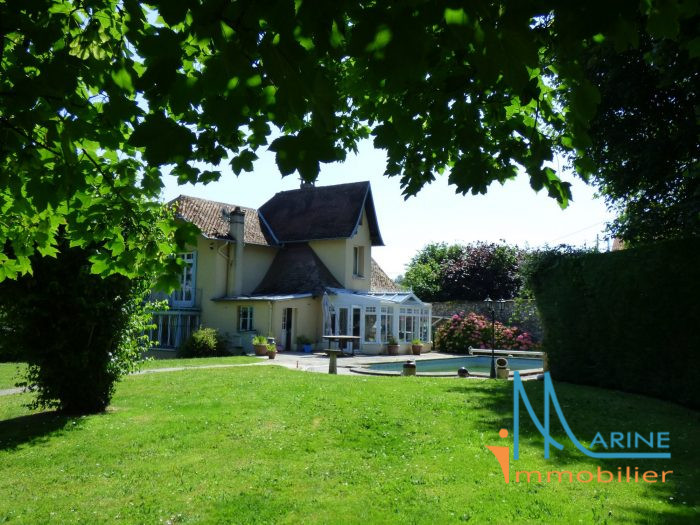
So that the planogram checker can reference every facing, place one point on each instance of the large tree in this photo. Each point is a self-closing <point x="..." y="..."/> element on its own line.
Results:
<point x="425" y="271"/>
<point x="644" y="137"/>
<point x="97" y="97"/>
<point x="442" y="272"/>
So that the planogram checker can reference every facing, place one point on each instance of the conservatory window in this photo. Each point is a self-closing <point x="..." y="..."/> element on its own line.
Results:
<point x="424" y="325"/>
<point x="343" y="322"/>
<point x="371" y="324"/>
<point x="411" y="325"/>
<point x="386" y="322"/>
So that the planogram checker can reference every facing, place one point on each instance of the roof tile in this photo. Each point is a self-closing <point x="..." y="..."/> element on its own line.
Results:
<point x="212" y="219"/>
<point x="380" y="281"/>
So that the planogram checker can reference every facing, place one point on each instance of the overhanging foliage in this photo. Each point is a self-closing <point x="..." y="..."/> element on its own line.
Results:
<point x="97" y="97"/>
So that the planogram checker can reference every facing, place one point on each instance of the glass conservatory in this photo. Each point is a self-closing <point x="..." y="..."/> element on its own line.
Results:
<point x="375" y="317"/>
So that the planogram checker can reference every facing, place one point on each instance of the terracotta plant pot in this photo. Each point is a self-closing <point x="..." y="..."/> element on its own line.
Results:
<point x="271" y="355"/>
<point x="416" y="349"/>
<point x="260" y="349"/>
<point x="392" y="349"/>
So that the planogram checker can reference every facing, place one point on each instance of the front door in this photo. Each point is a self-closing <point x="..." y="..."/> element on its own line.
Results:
<point x="287" y="324"/>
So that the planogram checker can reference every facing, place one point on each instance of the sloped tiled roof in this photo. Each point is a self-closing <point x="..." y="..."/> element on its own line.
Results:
<point x="325" y="212"/>
<point x="380" y="281"/>
<point x="212" y="218"/>
<point x="296" y="269"/>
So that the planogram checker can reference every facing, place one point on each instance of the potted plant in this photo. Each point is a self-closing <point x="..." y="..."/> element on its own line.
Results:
<point x="392" y="347"/>
<point x="271" y="351"/>
<point x="416" y="346"/>
<point x="304" y="344"/>
<point x="260" y="345"/>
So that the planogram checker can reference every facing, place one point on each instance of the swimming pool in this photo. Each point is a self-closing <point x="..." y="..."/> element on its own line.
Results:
<point x="475" y="364"/>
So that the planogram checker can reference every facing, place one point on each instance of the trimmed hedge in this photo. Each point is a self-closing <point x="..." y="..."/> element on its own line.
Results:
<point x="626" y="320"/>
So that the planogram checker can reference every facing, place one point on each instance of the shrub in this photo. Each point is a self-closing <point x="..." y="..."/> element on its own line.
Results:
<point x="78" y="332"/>
<point x="465" y="330"/>
<point x="204" y="342"/>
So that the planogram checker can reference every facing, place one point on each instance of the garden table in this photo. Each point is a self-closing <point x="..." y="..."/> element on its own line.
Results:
<point x="341" y="339"/>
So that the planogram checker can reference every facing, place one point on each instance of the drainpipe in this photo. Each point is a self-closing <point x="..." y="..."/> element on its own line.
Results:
<point x="236" y="229"/>
<point x="269" y="323"/>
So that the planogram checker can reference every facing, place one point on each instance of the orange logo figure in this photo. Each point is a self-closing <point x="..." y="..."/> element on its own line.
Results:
<point x="502" y="455"/>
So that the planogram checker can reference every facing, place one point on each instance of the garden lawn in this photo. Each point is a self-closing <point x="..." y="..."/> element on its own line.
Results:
<point x="10" y="372"/>
<point x="199" y="361"/>
<point x="263" y="444"/>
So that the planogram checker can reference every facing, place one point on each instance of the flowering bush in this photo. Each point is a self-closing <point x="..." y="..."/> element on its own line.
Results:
<point x="465" y="330"/>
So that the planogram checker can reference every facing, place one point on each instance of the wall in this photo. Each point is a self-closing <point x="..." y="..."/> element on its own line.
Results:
<point x="361" y="238"/>
<point x="307" y="320"/>
<point x="211" y="269"/>
<point x="256" y="261"/>
<point x="337" y="255"/>
<point x="333" y="253"/>
<point x="223" y="315"/>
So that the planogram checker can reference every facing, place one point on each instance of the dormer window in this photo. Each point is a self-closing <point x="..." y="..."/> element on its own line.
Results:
<point x="358" y="264"/>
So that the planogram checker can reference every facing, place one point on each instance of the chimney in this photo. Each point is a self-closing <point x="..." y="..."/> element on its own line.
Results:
<point x="236" y="226"/>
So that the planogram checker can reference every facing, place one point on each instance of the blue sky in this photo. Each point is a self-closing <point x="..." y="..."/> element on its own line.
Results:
<point x="512" y="212"/>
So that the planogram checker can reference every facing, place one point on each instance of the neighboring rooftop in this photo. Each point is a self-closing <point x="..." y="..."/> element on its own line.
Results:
<point x="323" y="212"/>
<point x="212" y="219"/>
<point x="380" y="281"/>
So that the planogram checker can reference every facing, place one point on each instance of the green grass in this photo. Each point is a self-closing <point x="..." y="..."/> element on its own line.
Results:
<point x="10" y="372"/>
<point x="271" y="445"/>
<point x="199" y="361"/>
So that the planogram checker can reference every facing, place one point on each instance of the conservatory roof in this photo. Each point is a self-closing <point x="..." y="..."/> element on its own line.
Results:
<point x="404" y="298"/>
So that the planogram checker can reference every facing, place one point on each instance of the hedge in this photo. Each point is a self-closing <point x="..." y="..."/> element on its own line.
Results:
<point x="626" y="320"/>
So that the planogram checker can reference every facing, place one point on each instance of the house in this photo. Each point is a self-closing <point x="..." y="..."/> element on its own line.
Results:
<point x="301" y="265"/>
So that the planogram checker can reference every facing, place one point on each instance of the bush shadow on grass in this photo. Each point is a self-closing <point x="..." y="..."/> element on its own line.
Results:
<point x="31" y="429"/>
<point x="589" y="410"/>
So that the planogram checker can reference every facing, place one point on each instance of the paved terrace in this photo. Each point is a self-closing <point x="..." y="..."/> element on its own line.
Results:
<point x="318" y="361"/>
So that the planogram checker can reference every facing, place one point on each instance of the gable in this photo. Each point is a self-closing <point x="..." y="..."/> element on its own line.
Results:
<point x="317" y="213"/>
<point x="296" y="269"/>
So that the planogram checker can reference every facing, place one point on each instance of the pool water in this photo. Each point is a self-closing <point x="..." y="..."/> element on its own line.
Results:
<point x="479" y="363"/>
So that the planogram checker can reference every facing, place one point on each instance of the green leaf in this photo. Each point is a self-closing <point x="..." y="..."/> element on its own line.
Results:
<point x="164" y="140"/>
<point x="243" y="162"/>
<point x="122" y="79"/>
<point x="455" y="16"/>
<point x="101" y="263"/>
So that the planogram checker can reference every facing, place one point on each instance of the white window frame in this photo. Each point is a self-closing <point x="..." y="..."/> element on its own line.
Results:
<point x="185" y="296"/>
<point x="245" y="319"/>
<point x="371" y="310"/>
<point x="358" y="264"/>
